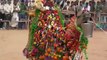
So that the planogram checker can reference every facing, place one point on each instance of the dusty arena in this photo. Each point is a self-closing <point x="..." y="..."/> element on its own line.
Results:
<point x="12" y="43"/>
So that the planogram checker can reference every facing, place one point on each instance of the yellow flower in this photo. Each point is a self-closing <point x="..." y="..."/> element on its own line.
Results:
<point x="34" y="42"/>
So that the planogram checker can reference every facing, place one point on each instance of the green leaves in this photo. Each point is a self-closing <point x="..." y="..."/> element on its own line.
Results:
<point x="83" y="42"/>
<point x="33" y="28"/>
<point x="61" y="15"/>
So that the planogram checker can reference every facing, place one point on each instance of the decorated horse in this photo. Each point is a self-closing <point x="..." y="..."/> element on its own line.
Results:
<point x="50" y="38"/>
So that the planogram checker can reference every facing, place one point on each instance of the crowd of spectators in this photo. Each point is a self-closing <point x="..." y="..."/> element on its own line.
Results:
<point x="18" y="10"/>
<point x="13" y="13"/>
<point x="97" y="9"/>
<point x="90" y="6"/>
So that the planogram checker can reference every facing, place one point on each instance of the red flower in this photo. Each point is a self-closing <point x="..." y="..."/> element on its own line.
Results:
<point x="48" y="12"/>
<point x="37" y="36"/>
<point x="57" y="17"/>
<point x="34" y="51"/>
<point x="49" y="3"/>
<point x="44" y="17"/>
<point x="26" y="52"/>
<point x="55" y="12"/>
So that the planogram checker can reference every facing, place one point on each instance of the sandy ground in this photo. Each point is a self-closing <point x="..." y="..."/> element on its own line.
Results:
<point x="12" y="43"/>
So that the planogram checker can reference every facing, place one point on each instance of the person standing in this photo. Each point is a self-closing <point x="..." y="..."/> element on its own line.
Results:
<point x="22" y="15"/>
<point x="8" y="9"/>
<point x="22" y="12"/>
<point x="1" y="8"/>
<point x="92" y="4"/>
<point x="86" y="13"/>
<point x="15" y="16"/>
<point x="99" y="10"/>
<point x="71" y="8"/>
<point x="2" y="15"/>
<point x="63" y="4"/>
<point x="83" y="3"/>
<point x="68" y="5"/>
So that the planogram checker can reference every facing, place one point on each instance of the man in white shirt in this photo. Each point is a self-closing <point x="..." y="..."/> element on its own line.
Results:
<point x="8" y="8"/>
<point x="1" y="8"/>
<point x="68" y="5"/>
<point x="86" y="8"/>
<point x="15" y="16"/>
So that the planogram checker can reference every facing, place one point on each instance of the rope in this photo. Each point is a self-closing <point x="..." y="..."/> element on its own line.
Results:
<point x="100" y="28"/>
